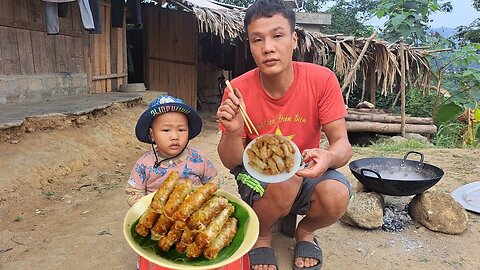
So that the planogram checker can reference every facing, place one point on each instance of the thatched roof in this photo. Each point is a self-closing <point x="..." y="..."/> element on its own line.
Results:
<point x="226" y="21"/>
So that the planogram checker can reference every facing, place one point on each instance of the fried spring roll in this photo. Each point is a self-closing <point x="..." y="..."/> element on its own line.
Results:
<point x="161" y="196"/>
<point x="224" y="238"/>
<point x="206" y="237"/>
<point x="146" y="222"/>
<point x="200" y="218"/>
<point x="193" y="202"/>
<point x="173" y="236"/>
<point x="187" y="238"/>
<point x="194" y="251"/>
<point x="165" y="221"/>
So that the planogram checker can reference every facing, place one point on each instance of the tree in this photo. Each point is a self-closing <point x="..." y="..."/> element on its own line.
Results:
<point x="408" y="18"/>
<point x="349" y="17"/>
<point x="470" y="33"/>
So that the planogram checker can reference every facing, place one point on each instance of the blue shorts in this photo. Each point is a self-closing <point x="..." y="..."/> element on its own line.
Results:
<point x="251" y="189"/>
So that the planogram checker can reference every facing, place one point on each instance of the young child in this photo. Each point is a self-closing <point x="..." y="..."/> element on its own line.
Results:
<point x="168" y="125"/>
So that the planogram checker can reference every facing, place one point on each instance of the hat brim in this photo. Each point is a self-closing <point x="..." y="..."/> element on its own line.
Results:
<point x="146" y="119"/>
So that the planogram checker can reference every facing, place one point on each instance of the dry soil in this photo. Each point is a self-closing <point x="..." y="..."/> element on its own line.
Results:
<point x="62" y="204"/>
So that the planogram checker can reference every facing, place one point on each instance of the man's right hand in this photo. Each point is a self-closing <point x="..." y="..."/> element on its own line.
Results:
<point x="228" y="112"/>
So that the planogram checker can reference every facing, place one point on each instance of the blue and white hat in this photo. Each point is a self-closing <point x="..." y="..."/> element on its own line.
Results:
<point x="165" y="104"/>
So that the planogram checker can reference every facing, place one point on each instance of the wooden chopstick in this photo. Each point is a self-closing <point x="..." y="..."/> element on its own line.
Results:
<point x="244" y="114"/>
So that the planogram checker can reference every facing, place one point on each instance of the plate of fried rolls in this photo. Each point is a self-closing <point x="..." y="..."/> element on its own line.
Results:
<point x="272" y="158"/>
<point x="182" y="227"/>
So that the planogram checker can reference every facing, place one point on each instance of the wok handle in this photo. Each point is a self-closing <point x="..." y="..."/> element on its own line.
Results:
<point x="414" y="152"/>
<point x="363" y="170"/>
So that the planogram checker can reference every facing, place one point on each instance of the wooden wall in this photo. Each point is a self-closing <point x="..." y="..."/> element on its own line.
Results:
<point x="171" y="53"/>
<point x="106" y="55"/>
<point x="26" y="49"/>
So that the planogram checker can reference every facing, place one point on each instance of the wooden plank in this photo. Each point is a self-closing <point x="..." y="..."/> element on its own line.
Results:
<point x="36" y="13"/>
<point x="39" y="51"/>
<point x="25" y="51"/>
<point x="51" y="56"/>
<point x="20" y="12"/>
<point x="61" y="54"/>
<point x="78" y="54"/>
<point x="95" y="60"/>
<point x="109" y="76"/>
<point x="87" y="60"/>
<point x="74" y="13"/>
<point x="10" y="60"/>
<point x="102" y="59"/>
<point x="6" y="9"/>
<point x="106" y="30"/>
<point x="164" y="48"/>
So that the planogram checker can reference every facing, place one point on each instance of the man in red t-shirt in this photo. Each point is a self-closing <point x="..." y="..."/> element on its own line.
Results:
<point x="299" y="101"/>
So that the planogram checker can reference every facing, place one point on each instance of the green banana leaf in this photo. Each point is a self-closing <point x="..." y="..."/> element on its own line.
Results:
<point x="240" y="213"/>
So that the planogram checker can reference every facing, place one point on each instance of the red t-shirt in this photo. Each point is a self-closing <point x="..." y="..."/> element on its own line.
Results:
<point x="314" y="99"/>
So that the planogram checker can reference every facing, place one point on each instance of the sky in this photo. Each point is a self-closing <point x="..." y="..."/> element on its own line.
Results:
<point x="463" y="14"/>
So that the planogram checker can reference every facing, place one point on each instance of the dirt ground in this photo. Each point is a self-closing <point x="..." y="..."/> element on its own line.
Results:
<point x="62" y="204"/>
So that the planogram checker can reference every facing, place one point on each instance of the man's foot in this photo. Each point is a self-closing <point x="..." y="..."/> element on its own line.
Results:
<point x="308" y="255"/>
<point x="262" y="258"/>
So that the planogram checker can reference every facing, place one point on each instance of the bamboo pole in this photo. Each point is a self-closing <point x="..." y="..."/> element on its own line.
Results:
<point x="402" y="85"/>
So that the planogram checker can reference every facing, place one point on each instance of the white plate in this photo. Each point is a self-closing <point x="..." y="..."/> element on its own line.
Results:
<point x="277" y="178"/>
<point x="468" y="196"/>
<point x="251" y="234"/>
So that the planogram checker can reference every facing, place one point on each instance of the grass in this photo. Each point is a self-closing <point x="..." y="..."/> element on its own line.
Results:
<point x="18" y="218"/>
<point x="48" y="194"/>
<point x="388" y="147"/>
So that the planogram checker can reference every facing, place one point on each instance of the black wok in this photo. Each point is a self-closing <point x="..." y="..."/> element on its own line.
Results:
<point x="397" y="177"/>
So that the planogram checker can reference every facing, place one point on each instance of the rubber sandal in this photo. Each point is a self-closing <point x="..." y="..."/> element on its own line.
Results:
<point x="307" y="249"/>
<point x="262" y="256"/>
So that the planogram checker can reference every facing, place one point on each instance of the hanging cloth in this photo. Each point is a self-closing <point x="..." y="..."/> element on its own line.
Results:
<point x="51" y="15"/>
<point x="97" y="18"/>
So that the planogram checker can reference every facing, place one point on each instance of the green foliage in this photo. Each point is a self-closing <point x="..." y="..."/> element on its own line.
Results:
<point x="48" y="194"/>
<point x="349" y="17"/>
<point x="449" y="135"/>
<point x="408" y="18"/>
<point x="448" y="112"/>
<point x="419" y="104"/>
<point x="389" y="146"/>
<point x="18" y="218"/>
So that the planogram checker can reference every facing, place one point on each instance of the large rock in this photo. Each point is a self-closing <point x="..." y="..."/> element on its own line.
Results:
<point x="439" y="212"/>
<point x="365" y="210"/>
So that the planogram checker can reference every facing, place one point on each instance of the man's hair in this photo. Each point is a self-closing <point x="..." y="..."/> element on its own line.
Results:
<point x="267" y="9"/>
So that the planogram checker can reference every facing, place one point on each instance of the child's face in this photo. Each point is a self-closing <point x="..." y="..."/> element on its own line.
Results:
<point x="170" y="133"/>
<point x="272" y="43"/>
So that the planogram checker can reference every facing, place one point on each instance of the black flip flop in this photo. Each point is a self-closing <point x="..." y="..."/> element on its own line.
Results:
<point x="262" y="256"/>
<point x="307" y="249"/>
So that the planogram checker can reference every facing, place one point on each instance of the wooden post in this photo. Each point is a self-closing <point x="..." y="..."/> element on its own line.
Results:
<point x="372" y="75"/>
<point x="402" y="85"/>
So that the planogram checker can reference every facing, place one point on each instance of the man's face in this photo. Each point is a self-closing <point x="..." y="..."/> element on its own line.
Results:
<point x="272" y="43"/>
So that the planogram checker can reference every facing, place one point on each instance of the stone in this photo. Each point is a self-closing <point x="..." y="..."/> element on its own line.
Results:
<point x="439" y="212"/>
<point x="416" y="137"/>
<point x="365" y="105"/>
<point x="365" y="210"/>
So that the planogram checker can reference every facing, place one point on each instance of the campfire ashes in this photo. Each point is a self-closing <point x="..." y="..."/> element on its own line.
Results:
<point x="394" y="219"/>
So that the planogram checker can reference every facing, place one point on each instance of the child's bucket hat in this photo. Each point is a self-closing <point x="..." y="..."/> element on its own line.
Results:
<point x="165" y="104"/>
